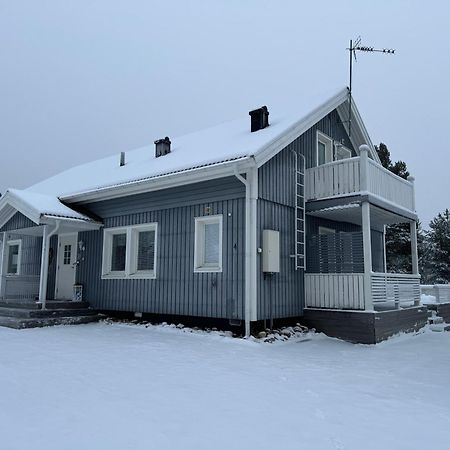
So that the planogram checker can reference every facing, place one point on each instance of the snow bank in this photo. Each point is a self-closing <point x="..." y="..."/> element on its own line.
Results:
<point x="112" y="386"/>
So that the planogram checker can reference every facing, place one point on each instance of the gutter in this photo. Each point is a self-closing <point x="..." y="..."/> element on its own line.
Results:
<point x="251" y="196"/>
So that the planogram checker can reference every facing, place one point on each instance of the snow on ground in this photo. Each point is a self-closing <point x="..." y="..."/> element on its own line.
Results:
<point x="117" y="386"/>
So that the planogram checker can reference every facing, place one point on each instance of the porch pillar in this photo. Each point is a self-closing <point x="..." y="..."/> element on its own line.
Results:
<point x="2" y="265"/>
<point x="44" y="268"/>
<point x="414" y="253"/>
<point x="384" y="250"/>
<point x="367" y="250"/>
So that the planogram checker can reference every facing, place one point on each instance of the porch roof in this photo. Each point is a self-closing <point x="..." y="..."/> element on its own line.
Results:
<point x="42" y="209"/>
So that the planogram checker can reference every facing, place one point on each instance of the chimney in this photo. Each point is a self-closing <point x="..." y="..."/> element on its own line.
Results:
<point x="259" y="118"/>
<point x="122" y="159"/>
<point x="162" y="147"/>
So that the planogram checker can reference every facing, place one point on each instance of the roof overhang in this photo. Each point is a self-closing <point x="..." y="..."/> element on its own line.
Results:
<point x="165" y="181"/>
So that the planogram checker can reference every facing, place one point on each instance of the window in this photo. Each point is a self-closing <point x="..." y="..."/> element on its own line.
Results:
<point x="324" y="149"/>
<point x="67" y="254"/>
<point x="130" y="252"/>
<point x="208" y="244"/>
<point x="325" y="230"/>
<point x="342" y="152"/>
<point x="14" y="253"/>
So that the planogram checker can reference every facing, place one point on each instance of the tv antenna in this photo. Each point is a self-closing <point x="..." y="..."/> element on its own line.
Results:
<point x="355" y="46"/>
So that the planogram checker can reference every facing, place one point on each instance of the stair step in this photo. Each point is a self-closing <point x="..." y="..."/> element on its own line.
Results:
<point x="19" y="304"/>
<point x="21" y="323"/>
<point x="42" y="313"/>
<point x="64" y="304"/>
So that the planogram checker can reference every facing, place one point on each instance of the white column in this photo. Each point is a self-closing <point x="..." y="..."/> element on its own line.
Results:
<point x="414" y="253"/>
<point x="384" y="250"/>
<point x="44" y="268"/>
<point x="367" y="250"/>
<point x="364" y="168"/>
<point x="3" y="265"/>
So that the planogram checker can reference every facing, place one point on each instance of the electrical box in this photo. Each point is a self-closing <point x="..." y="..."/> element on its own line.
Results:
<point x="271" y="251"/>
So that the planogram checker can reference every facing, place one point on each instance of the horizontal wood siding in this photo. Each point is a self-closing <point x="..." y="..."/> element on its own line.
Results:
<point x="17" y="222"/>
<point x="177" y="289"/>
<point x="281" y="294"/>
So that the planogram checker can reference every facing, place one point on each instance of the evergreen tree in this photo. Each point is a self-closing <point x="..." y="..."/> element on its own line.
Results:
<point x="439" y="245"/>
<point x="398" y="243"/>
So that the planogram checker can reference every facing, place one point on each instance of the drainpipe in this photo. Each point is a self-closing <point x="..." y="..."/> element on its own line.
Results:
<point x="44" y="262"/>
<point x="251" y="187"/>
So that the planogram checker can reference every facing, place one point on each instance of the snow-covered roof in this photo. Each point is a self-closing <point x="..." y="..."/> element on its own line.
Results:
<point x="36" y="207"/>
<point x="227" y="142"/>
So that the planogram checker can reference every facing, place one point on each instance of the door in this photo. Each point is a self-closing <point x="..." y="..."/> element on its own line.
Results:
<point x="66" y="266"/>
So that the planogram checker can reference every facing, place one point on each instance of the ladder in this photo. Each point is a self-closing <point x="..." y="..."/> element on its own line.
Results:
<point x="300" y="253"/>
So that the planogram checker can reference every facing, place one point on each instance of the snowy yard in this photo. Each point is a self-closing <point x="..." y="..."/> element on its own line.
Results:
<point x="122" y="387"/>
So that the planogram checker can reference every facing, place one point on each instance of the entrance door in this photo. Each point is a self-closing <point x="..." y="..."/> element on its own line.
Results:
<point x="66" y="266"/>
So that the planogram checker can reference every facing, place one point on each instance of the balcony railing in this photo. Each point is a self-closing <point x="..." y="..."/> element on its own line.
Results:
<point x="355" y="176"/>
<point x="346" y="290"/>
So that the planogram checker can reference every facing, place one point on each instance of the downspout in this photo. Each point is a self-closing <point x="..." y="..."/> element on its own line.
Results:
<point x="250" y="184"/>
<point x="44" y="262"/>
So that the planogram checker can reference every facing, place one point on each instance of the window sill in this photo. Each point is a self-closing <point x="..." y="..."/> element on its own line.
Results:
<point x="207" y="269"/>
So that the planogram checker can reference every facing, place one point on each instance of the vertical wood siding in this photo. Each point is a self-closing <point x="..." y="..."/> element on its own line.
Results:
<point x="177" y="289"/>
<point x="17" y="222"/>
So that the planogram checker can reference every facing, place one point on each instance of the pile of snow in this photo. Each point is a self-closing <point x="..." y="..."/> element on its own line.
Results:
<point x="113" y="386"/>
<point x="427" y="299"/>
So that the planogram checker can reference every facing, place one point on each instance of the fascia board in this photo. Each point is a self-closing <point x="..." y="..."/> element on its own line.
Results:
<point x="163" y="182"/>
<point x="268" y="152"/>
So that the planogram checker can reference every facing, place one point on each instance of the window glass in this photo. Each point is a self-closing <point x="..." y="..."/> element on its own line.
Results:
<point x="322" y="150"/>
<point x="146" y="250"/>
<point x="67" y="254"/>
<point x="118" y="253"/>
<point x="211" y="244"/>
<point x="343" y="153"/>
<point x="13" y="258"/>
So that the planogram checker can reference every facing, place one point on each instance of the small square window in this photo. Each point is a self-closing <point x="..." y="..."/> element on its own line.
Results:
<point x="208" y="244"/>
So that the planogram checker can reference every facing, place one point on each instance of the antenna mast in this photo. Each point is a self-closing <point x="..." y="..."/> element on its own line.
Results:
<point x="352" y="49"/>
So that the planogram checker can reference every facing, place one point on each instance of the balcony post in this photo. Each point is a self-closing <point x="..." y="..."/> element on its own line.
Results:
<point x="414" y="253"/>
<point x="367" y="250"/>
<point x="411" y="179"/>
<point x="364" y="168"/>
<point x="3" y="262"/>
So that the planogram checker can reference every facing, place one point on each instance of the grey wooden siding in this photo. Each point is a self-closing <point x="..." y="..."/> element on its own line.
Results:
<point x="344" y="250"/>
<point x="17" y="222"/>
<point x="194" y="194"/>
<point x="177" y="289"/>
<point x="281" y="294"/>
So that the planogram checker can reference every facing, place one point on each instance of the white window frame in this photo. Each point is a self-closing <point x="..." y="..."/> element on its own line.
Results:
<point x="328" y="142"/>
<point x="326" y="230"/>
<point x="19" y="256"/>
<point x="199" y="244"/>
<point x="131" y="253"/>
<point x="341" y="147"/>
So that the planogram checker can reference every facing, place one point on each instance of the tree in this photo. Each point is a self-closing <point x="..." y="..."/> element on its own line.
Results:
<point x="439" y="248"/>
<point x="398" y="244"/>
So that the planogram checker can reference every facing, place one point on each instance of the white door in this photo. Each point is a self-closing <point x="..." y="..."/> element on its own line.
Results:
<point x="66" y="266"/>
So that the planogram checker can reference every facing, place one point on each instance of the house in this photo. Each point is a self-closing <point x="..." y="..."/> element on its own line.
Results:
<point x="268" y="217"/>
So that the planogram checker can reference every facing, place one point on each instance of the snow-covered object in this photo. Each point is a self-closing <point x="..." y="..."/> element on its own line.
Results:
<point x="36" y="206"/>
<point x="225" y="142"/>
<point x="427" y="299"/>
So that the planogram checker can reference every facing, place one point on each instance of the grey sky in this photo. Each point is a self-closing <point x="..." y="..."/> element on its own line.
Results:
<point x="84" y="79"/>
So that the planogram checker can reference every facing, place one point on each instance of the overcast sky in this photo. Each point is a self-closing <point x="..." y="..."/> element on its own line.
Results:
<point x="82" y="79"/>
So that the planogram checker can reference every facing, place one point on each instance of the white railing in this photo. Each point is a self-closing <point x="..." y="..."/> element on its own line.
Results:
<point x="334" y="290"/>
<point x="385" y="184"/>
<point x="333" y="179"/>
<point x="358" y="175"/>
<point x="440" y="291"/>
<point x="346" y="290"/>
<point x="396" y="288"/>
<point x="21" y="287"/>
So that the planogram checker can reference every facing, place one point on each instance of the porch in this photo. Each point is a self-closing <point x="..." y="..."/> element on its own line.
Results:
<point x="346" y="270"/>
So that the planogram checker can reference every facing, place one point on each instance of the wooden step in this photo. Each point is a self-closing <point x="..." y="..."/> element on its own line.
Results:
<point x="19" y="304"/>
<point x="21" y="323"/>
<point x="30" y="313"/>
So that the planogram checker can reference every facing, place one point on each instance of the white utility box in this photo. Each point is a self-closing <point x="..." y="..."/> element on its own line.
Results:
<point x="271" y="251"/>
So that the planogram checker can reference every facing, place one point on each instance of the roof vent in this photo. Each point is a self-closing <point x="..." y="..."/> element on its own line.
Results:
<point x="162" y="147"/>
<point x="259" y="118"/>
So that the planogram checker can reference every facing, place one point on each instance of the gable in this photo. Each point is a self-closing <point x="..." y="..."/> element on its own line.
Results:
<point x="16" y="222"/>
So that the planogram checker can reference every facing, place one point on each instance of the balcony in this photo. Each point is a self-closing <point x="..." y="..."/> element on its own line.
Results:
<point x="358" y="176"/>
